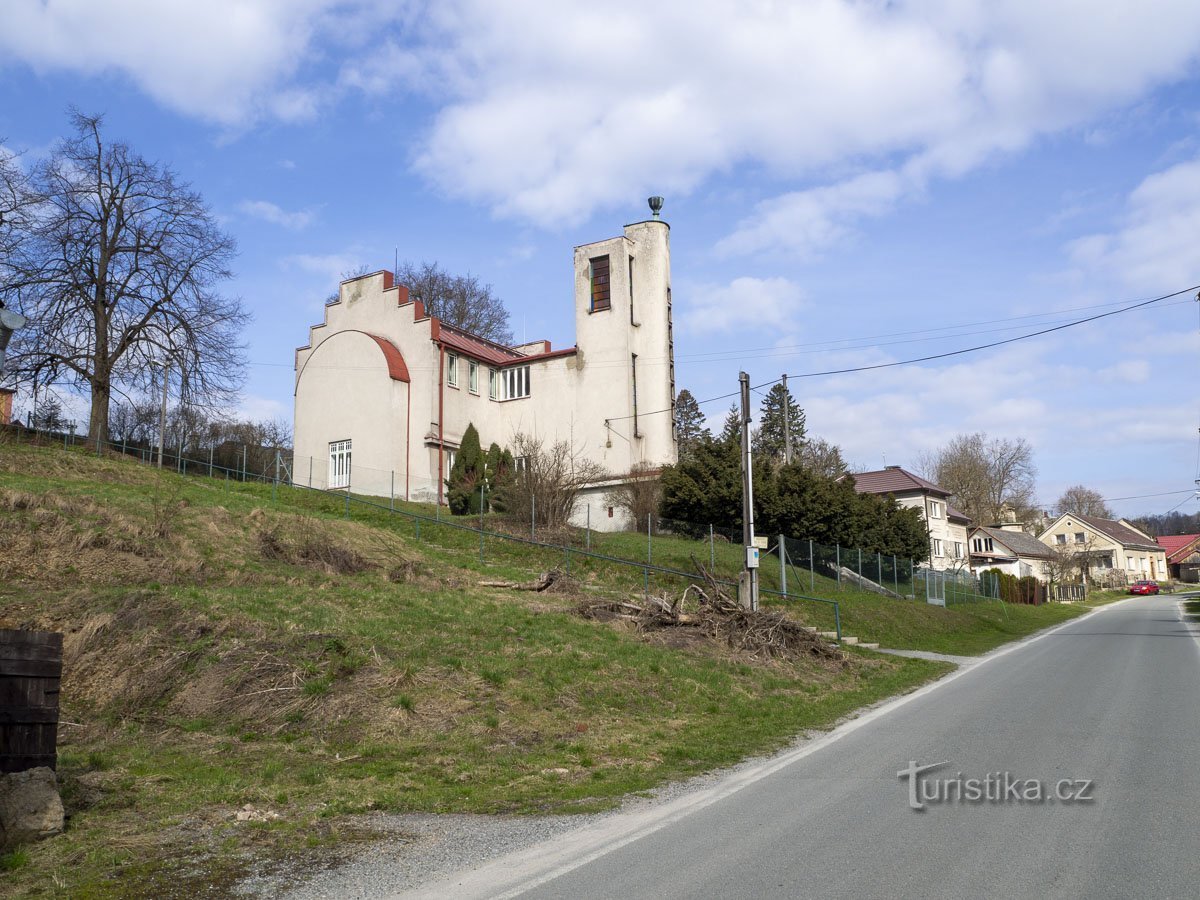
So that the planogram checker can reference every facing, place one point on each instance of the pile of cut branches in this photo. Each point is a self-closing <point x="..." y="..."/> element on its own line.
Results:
<point x="719" y="617"/>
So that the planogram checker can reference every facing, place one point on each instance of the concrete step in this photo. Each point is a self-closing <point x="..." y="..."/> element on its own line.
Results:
<point x="849" y="640"/>
<point x="870" y="646"/>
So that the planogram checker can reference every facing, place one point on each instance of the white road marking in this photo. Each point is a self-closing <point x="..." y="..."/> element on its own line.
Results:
<point x="518" y="872"/>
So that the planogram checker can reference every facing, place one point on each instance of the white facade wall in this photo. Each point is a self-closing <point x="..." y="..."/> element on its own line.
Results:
<point x="348" y="389"/>
<point x="953" y="535"/>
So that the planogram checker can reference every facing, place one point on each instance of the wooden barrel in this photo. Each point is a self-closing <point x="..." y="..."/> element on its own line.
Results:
<point x="30" y="673"/>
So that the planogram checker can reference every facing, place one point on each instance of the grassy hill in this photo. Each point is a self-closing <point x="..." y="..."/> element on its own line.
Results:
<point x="243" y="673"/>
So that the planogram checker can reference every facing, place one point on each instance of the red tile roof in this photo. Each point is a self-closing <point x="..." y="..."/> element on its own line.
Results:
<point x="397" y="370"/>
<point x="490" y="352"/>
<point x="1178" y="545"/>
<point x="476" y="347"/>
<point x="895" y="480"/>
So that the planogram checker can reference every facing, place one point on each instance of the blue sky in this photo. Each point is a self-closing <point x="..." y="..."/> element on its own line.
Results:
<point x="847" y="184"/>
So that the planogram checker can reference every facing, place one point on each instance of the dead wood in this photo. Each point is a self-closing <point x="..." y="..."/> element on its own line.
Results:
<point x="709" y="610"/>
<point x="543" y="582"/>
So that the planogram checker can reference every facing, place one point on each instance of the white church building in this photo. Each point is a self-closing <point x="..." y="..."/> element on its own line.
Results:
<point x="384" y="391"/>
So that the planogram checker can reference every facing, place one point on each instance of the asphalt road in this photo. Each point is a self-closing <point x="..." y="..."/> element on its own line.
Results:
<point x="1112" y="699"/>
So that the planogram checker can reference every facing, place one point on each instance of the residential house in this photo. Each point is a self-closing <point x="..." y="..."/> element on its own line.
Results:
<point x="1116" y="551"/>
<point x="385" y="391"/>
<point x="947" y="526"/>
<point x="1183" y="556"/>
<point x="1009" y="548"/>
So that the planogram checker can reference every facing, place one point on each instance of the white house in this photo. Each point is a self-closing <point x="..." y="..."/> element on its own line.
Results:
<point x="1010" y="549"/>
<point x="384" y="391"/>
<point x="947" y="526"/>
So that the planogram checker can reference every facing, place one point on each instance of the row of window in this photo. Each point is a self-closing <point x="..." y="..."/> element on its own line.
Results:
<point x="982" y="544"/>
<point x="503" y="384"/>
<point x="939" y="549"/>
<point x="1080" y="538"/>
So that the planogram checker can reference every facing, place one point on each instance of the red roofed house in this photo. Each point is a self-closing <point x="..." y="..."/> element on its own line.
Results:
<point x="384" y="391"/>
<point x="947" y="526"/>
<point x="1183" y="556"/>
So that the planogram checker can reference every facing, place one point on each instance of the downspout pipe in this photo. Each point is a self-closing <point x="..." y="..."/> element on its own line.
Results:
<point x="441" y="418"/>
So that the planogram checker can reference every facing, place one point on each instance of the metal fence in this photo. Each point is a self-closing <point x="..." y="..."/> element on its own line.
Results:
<point x="578" y="551"/>
<point x="946" y="587"/>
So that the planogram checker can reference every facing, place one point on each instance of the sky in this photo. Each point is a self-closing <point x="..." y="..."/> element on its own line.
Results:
<point x="848" y="184"/>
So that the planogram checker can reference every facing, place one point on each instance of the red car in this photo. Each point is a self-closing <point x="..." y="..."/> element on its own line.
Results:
<point x="1144" y="587"/>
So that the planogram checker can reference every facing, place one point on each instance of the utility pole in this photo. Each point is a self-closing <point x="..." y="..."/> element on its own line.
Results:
<point x="787" y="424"/>
<point x="750" y="561"/>
<point x="162" y="418"/>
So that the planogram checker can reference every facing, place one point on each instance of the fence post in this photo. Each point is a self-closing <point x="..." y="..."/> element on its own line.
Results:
<point x="275" y="483"/>
<point x="895" y="575"/>
<point x="210" y="460"/>
<point x="782" y="566"/>
<point x="347" y="502"/>
<point x="860" y="562"/>
<point x="392" y="494"/>
<point x="480" y="520"/>
<point x="245" y="461"/>
<point x="839" y="565"/>
<point x="532" y="518"/>
<point x="837" y="621"/>
<point x="812" y="578"/>
<point x="649" y="545"/>
<point x="310" y="471"/>
<point x="588" y="527"/>
<point x="712" y="550"/>
<point x="879" y="567"/>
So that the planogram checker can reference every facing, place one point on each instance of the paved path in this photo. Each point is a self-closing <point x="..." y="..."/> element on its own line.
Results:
<point x="1112" y="699"/>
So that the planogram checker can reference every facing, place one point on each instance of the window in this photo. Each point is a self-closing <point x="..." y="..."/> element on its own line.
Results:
<point x="452" y="369"/>
<point x="1079" y="537"/>
<point x="937" y="547"/>
<point x="493" y="384"/>
<point x="449" y="457"/>
<point x="516" y="382"/>
<point x="473" y="376"/>
<point x="958" y="550"/>
<point x="935" y="510"/>
<point x="977" y="545"/>
<point x="1129" y="562"/>
<point x="339" y="464"/>
<point x="1060" y="539"/>
<point x="631" y="322"/>
<point x="601" y="298"/>
<point x="520" y="464"/>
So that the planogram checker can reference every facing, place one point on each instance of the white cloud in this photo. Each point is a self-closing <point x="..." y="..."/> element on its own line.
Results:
<point x="269" y="212"/>
<point x="1154" y="245"/>
<point x="223" y="60"/>
<point x="807" y="222"/>
<point x="745" y="304"/>
<point x="550" y="112"/>
<point x="537" y="124"/>
<point x="328" y="269"/>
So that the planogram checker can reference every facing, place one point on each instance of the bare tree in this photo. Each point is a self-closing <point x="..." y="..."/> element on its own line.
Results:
<point x="117" y="273"/>
<point x="460" y="300"/>
<point x="1083" y="501"/>
<point x="639" y="495"/>
<point x="986" y="477"/>
<point x="822" y="458"/>
<point x="550" y="477"/>
<point x="17" y="202"/>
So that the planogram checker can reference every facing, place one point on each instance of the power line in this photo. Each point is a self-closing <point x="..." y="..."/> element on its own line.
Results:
<point x="1147" y="496"/>
<point x="950" y="353"/>
<point x="989" y="346"/>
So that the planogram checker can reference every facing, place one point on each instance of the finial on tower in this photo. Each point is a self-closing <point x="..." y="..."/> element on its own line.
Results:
<point x="655" y="205"/>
